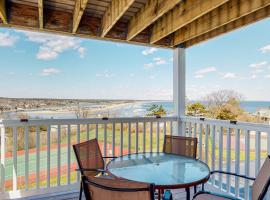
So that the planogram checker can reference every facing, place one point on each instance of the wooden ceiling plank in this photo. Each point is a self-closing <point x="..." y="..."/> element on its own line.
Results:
<point x="114" y="12"/>
<point x="244" y="21"/>
<point x="182" y="15"/>
<point x="151" y="12"/>
<point x="40" y="13"/>
<point x="79" y="8"/>
<point x="232" y="10"/>
<point x="3" y="15"/>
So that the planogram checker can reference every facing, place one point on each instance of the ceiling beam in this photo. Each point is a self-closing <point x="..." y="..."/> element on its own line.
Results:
<point x="79" y="8"/>
<point x="40" y="13"/>
<point x="182" y="15"/>
<point x="3" y="15"/>
<point x="151" y="12"/>
<point x="239" y="23"/>
<point x="113" y="13"/>
<point x="232" y="10"/>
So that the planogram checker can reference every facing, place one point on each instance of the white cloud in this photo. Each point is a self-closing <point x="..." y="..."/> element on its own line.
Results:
<point x="254" y="76"/>
<point x="159" y="61"/>
<point x="257" y="71"/>
<point x="153" y="76"/>
<point x="202" y="72"/>
<point x="53" y="45"/>
<point x="199" y="76"/>
<point x="81" y="51"/>
<point x="265" y="49"/>
<point x="7" y="40"/>
<point x="149" y="51"/>
<point x="258" y="65"/>
<point x="49" y="71"/>
<point x="267" y="76"/>
<point x="105" y="74"/>
<point x="148" y="65"/>
<point x="229" y="75"/>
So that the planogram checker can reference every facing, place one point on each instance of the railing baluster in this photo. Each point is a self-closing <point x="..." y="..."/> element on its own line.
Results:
<point x="237" y="160"/>
<point x="257" y="152"/>
<point x="200" y="141"/>
<point x="268" y="142"/>
<point x="87" y="132"/>
<point x="58" y="155"/>
<point x="68" y="154"/>
<point x="228" y="159"/>
<point x="144" y="135"/>
<point x="213" y="148"/>
<point x="48" y="156"/>
<point x="105" y="140"/>
<point x="129" y="137"/>
<point x="195" y="130"/>
<point x="37" y="156"/>
<point x="220" y="155"/>
<point x="14" y="158"/>
<point x="190" y="129"/>
<point x="206" y="143"/>
<point x="26" y="156"/>
<point x="151" y="137"/>
<point x="3" y="165"/>
<point x="171" y="127"/>
<point x="78" y="141"/>
<point x="121" y="139"/>
<point x="97" y="131"/>
<point x="137" y="137"/>
<point x="247" y="161"/>
<point x="157" y="137"/>
<point x="113" y="139"/>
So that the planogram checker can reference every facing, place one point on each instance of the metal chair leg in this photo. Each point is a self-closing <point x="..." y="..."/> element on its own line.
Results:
<point x="80" y="191"/>
<point x="195" y="189"/>
<point x="188" y="193"/>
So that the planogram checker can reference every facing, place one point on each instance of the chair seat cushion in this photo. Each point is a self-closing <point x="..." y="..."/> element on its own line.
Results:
<point x="208" y="196"/>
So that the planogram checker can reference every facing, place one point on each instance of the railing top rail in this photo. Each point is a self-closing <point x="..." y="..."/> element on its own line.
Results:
<point x="36" y="122"/>
<point x="229" y="124"/>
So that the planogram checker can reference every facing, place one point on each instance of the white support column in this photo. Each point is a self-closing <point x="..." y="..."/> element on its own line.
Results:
<point x="179" y="87"/>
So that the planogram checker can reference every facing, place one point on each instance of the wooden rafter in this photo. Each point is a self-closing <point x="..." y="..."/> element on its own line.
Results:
<point x="233" y="10"/>
<point x="80" y="6"/>
<point x="114" y="12"/>
<point x="152" y="11"/>
<point x="3" y="15"/>
<point x="40" y="13"/>
<point x="246" y="20"/>
<point x="182" y="15"/>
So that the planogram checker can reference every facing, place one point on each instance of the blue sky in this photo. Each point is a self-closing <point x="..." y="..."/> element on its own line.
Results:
<point x="43" y="65"/>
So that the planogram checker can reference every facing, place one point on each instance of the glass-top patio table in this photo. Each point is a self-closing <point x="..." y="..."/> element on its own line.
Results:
<point x="166" y="171"/>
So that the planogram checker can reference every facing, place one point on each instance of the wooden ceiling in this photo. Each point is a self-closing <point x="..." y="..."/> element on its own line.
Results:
<point x="163" y="23"/>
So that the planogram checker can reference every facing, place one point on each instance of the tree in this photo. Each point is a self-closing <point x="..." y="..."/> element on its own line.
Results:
<point x="224" y="104"/>
<point x="156" y="110"/>
<point x="196" y="109"/>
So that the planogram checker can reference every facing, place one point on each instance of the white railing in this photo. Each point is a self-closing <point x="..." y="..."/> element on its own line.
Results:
<point x="38" y="153"/>
<point x="230" y="146"/>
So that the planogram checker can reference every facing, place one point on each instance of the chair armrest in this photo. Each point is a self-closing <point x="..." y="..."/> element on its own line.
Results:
<point x="91" y="170"/>
<point x="109" y="157"/>
<point x="215" y="194"/>
<point x="233" y="174"/>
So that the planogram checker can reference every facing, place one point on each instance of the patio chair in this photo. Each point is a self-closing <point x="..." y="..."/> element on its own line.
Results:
<point x="183" y="146"/>
<point x="259" y="187"/>
<point x="112" y="188"/>
<point x="90" y="159"/>
<point x="180" y="145"/>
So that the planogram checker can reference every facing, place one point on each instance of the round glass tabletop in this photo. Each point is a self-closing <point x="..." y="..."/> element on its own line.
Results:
<point x="165" y="170"/>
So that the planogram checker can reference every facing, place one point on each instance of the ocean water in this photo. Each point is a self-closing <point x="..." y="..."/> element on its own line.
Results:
<point x="138" y="109"/>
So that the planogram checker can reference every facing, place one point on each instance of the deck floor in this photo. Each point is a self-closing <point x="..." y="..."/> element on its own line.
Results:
<point x="74" y="195"/>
